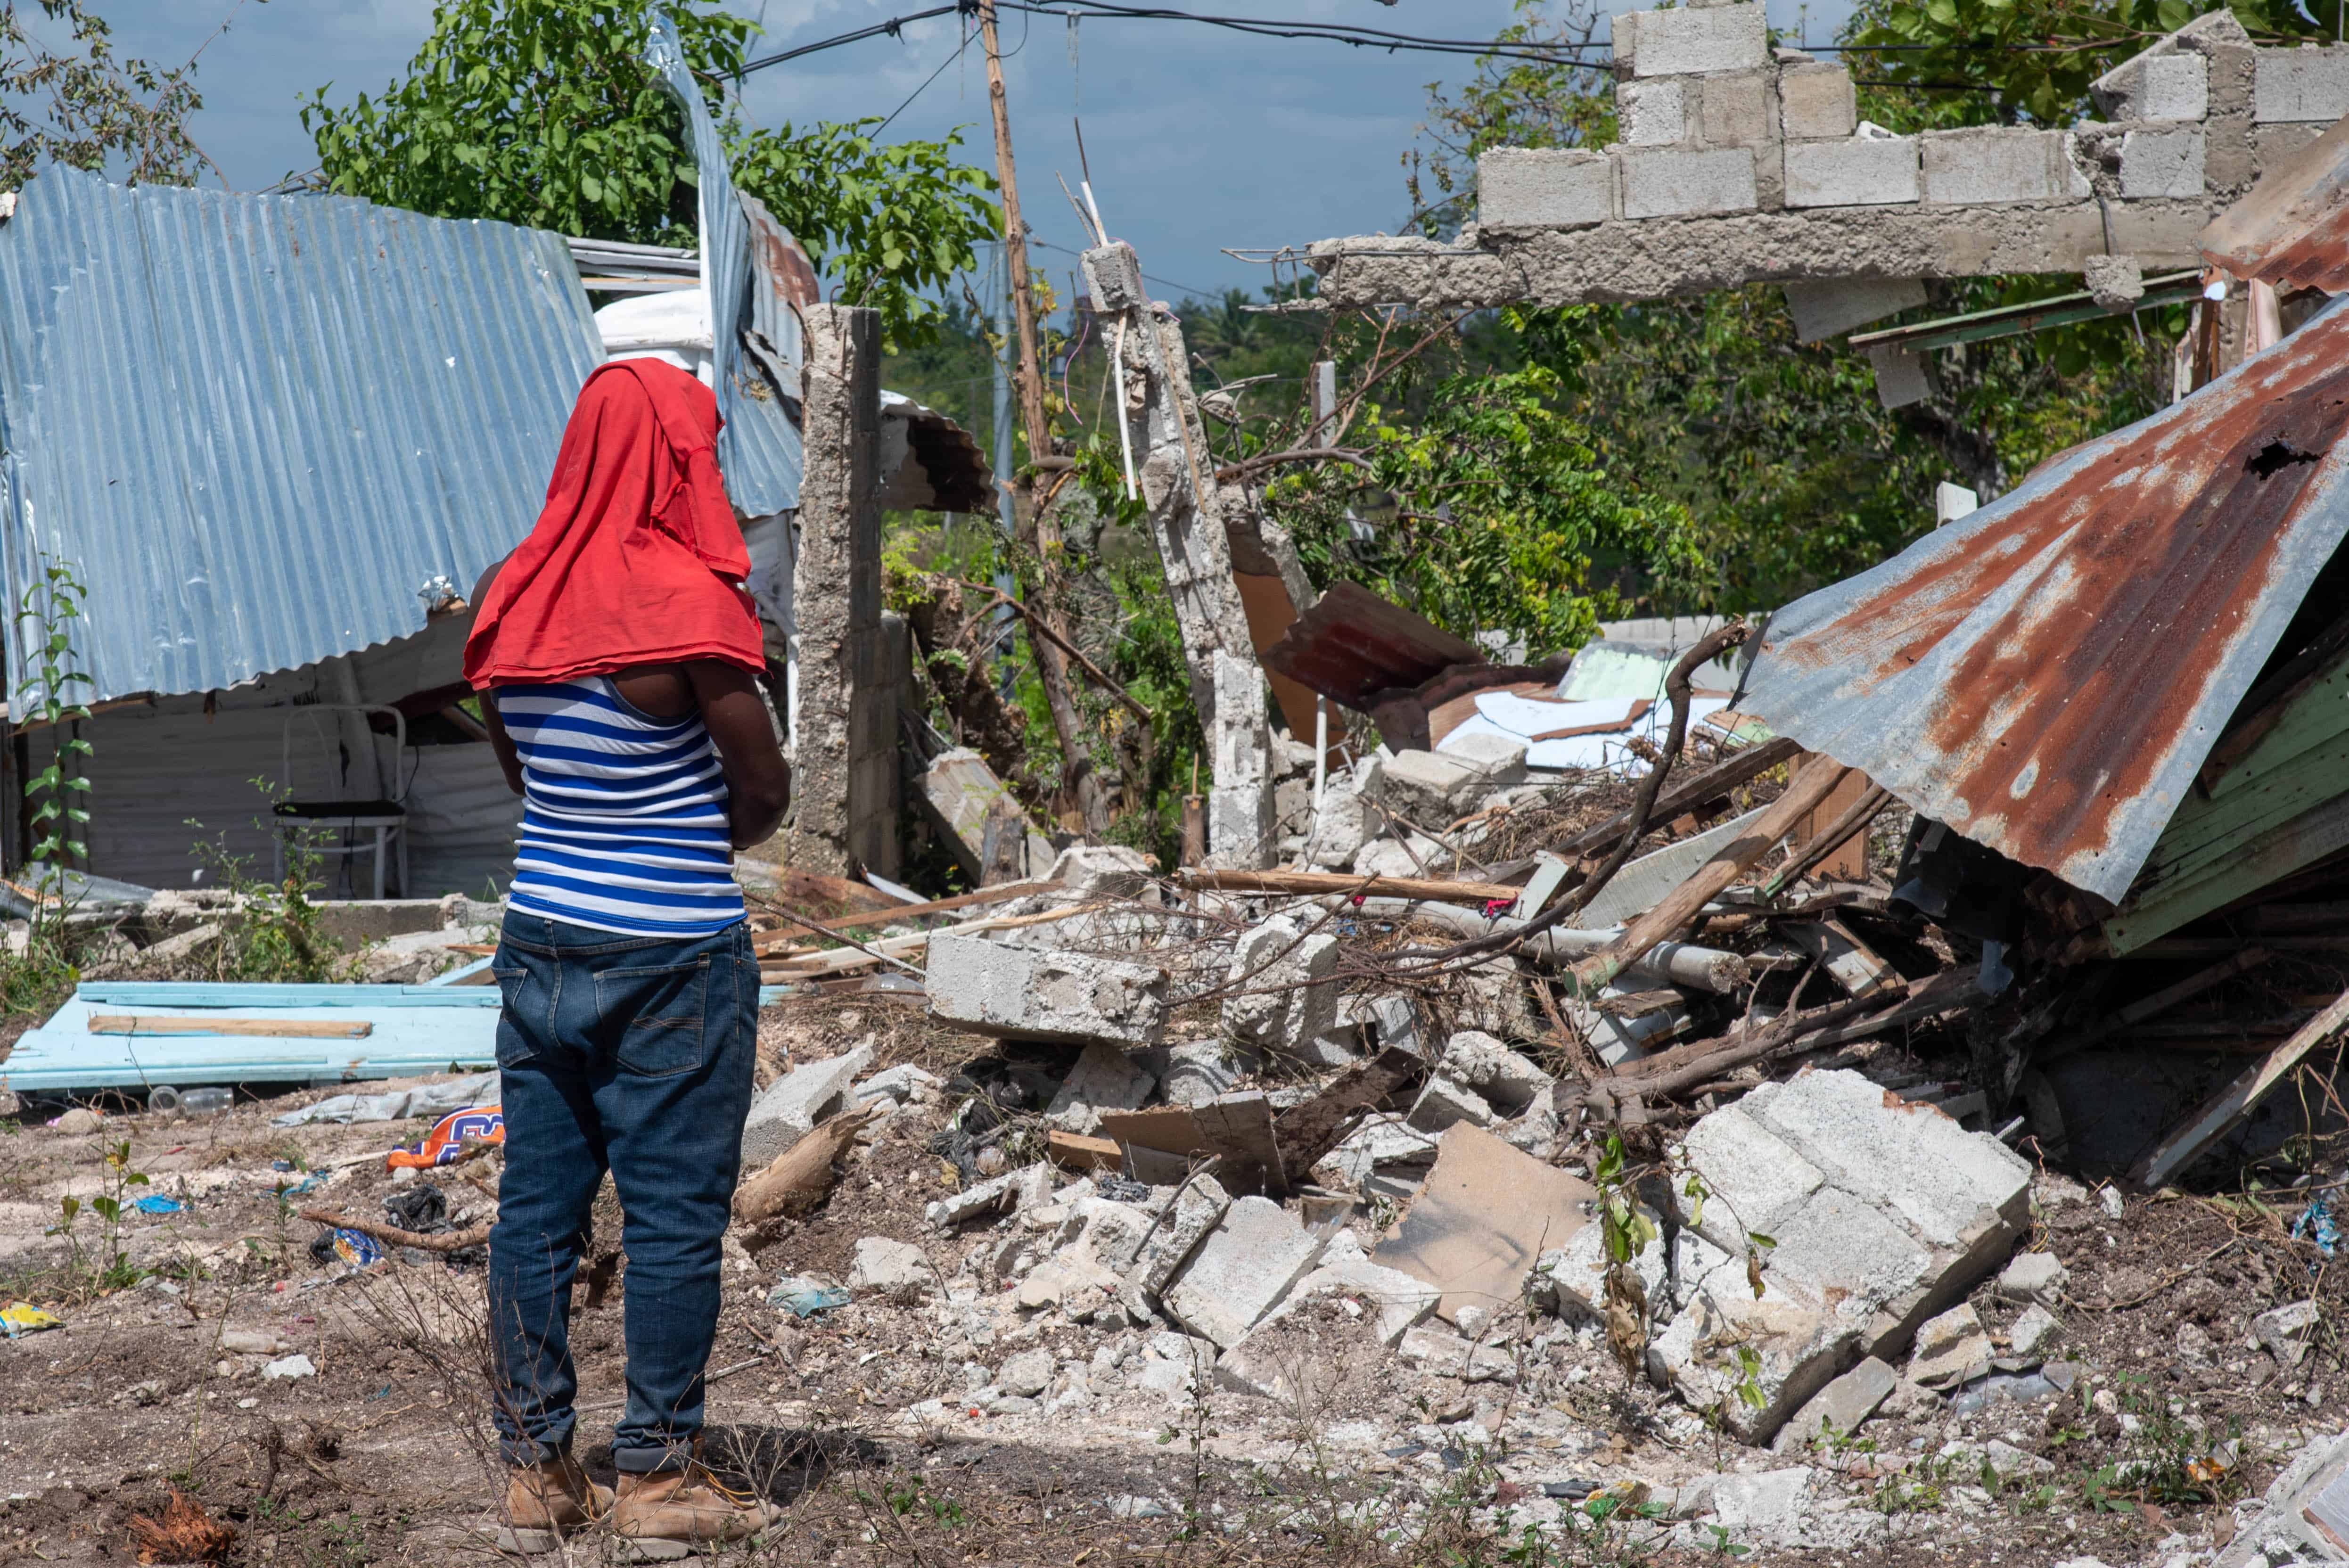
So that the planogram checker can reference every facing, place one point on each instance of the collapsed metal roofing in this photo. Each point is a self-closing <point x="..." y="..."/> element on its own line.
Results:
<point x="758" y="449"/>
<point x="265" y="430"/>
<point x="2291" y="229"/>
<point x="2046" y="674"/>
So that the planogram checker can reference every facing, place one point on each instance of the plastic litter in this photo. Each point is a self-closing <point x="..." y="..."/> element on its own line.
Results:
<point x="447" y="1138"/>
<point x="156" y="1203"/>
<point x="209" y="1101"/>
<point x="2055" y="1379"/>
<point x="21" y="1318"/>
<point x="358" y="1251"/>
<point x="804" y="1295"/>
<point x="2317" y="1227"/>
<point x="397" y="1105"/>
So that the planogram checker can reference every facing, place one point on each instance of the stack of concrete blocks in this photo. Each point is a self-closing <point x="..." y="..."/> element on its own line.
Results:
<point x="1741" y="163"/>
<point x="1880" y="1214"/>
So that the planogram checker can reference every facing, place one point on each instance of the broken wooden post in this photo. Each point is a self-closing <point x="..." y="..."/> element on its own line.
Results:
<point x="844" y="763"/>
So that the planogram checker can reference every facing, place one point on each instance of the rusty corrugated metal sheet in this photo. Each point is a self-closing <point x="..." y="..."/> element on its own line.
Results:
<point x="2046" y="674"/>
<point x="1352" y="644"/>
<point x="2291" y="229"/>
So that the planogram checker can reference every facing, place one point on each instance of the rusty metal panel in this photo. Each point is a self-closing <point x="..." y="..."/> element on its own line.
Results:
<point x="1352" y="643"/>
<point x="2046" y="674"/>
<point x="2291" y="229"/>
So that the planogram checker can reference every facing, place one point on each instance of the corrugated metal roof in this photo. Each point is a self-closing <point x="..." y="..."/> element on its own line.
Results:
<point x="1352" y="644"/>
<point x="758" y="449"/>
<point x="2291" y="229"/>
<point x="258" y="425"/>
<point x="2046" y="674"/>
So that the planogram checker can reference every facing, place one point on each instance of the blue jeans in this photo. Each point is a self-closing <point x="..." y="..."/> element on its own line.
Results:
<point x="632" y="1053"/>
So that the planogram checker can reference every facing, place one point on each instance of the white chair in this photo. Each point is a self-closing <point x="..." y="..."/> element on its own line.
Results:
<point x="387" y="819"/>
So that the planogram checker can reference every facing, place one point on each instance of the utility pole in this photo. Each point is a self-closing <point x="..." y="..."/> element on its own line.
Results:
<point x="1014" y="246"/>
<point x="1078" y="773"/>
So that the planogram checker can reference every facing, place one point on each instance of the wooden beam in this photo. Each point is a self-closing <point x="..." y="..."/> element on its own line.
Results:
<point x="272" y="1028"/>
<point x="1682" y="904"/>
<point x="770" y="942"/>
<point x="2217" y="1116"/>
<point x="1310" y="885"/>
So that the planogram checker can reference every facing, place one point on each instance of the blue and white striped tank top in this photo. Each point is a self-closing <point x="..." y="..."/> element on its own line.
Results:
<point x="623" y="824"/>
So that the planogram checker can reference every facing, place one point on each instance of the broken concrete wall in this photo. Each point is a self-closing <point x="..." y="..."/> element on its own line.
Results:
<point x="845" y="780"/>
<point x="1175" y="471"/>
<point x="1739" y="163"/>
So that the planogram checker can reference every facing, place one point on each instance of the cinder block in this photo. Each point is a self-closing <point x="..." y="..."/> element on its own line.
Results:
<point x="1478" y="1061"/>
<point x="1664" y="183"/>
<point x="1991" y="164"/>
<point x="1816" y="102"/>
<point x="1656" y="113"/>
<point x="1857" y="172"/>
<point x="1102" y="1079"/>
<point x="1737" y="110"/>
<point x="2271" y="144"/>
<point x="2162" y="163"/>
<point x="1829" y="309"/>
<point x="1017" y="992"/>
<point x="1909" y="1159"/>
<point x="1286" y="996"/>
<point x="1547" y="187"/>
<point x="2156" y="85"/>
<point x="1678" y="41"/>
<point x="1242" y="1271"/>
<point x="2310" y="83"/>
<point x="1432" y="788"/>
<point x="793" y="1104"/>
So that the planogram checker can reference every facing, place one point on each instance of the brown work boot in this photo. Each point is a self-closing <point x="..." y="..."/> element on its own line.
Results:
<point x="547" y="1501"/>
<point x="674" y="1513"/>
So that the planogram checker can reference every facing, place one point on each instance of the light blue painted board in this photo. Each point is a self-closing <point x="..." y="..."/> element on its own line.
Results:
<point x="417" y="1029"/>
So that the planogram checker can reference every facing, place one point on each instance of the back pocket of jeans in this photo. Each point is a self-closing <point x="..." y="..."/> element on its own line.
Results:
<point x="522" y="1023"/>
<point x="659" y="1014"/>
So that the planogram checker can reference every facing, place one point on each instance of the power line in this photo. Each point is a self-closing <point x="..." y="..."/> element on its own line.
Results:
<point x="918" y="91"/>
<point x="1361" y="36"/>
<point x="1202" y="295"/>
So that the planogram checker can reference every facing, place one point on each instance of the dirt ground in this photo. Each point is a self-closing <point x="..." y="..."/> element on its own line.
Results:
<point x="866" y="1421"/>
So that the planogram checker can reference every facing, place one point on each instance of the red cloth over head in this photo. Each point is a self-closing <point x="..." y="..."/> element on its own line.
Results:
<point x="635" y="558"/>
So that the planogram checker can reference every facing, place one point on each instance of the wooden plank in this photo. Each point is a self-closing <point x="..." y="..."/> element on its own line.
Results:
<point x="771" y="942"/>
<point x="1848" y="862"/>
<point x="1681" y="906"/>
<point x="2217" y="1116"/>
<point x="1311" y="883"/>
<point x="909" y="948"/>
<point x="270" y="1029"/>
<point x="1075" y="1151"/>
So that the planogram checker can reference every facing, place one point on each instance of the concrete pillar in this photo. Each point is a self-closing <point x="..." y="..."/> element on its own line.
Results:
<point x="845" y="810"/>
<point x="1174" y="472"/>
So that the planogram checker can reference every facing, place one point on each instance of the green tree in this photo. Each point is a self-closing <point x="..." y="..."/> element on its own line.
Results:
<point x="1791" y="473"/>
<point x="2013" y="60"/>
<point x="82" y="104"/>
<point x="543" y="112"/>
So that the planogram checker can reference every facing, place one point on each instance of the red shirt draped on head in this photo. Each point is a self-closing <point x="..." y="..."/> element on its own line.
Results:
<point x="635" y="558"/>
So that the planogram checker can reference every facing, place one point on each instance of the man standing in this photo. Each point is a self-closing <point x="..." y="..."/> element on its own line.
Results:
<point x="616" y="652"/>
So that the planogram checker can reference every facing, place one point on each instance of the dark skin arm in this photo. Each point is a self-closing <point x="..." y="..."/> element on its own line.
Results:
<point x="758" y="781"/>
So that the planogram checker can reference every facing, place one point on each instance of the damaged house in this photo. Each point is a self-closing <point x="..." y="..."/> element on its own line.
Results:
<point x="274" y="438"/>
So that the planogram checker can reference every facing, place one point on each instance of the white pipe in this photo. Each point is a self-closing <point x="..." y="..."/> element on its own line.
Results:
<point x="1320" y="754"/>
<point x="1125" y="436"/>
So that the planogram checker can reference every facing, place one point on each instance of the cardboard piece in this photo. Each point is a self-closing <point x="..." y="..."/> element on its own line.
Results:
<point x="1486" y="1214"/>
<point x="1163" y="1143"/>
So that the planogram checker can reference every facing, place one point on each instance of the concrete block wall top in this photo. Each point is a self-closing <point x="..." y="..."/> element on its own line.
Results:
<point x="2310" y="83"/>
<point x="1684" y="41"/>
<point x="1856" y="172"/>
<point x="1816" y="101"/>
<point x="1765" y="156"/>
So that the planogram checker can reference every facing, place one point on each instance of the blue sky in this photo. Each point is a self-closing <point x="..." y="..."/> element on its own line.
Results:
<point x="1199" y="138"/>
